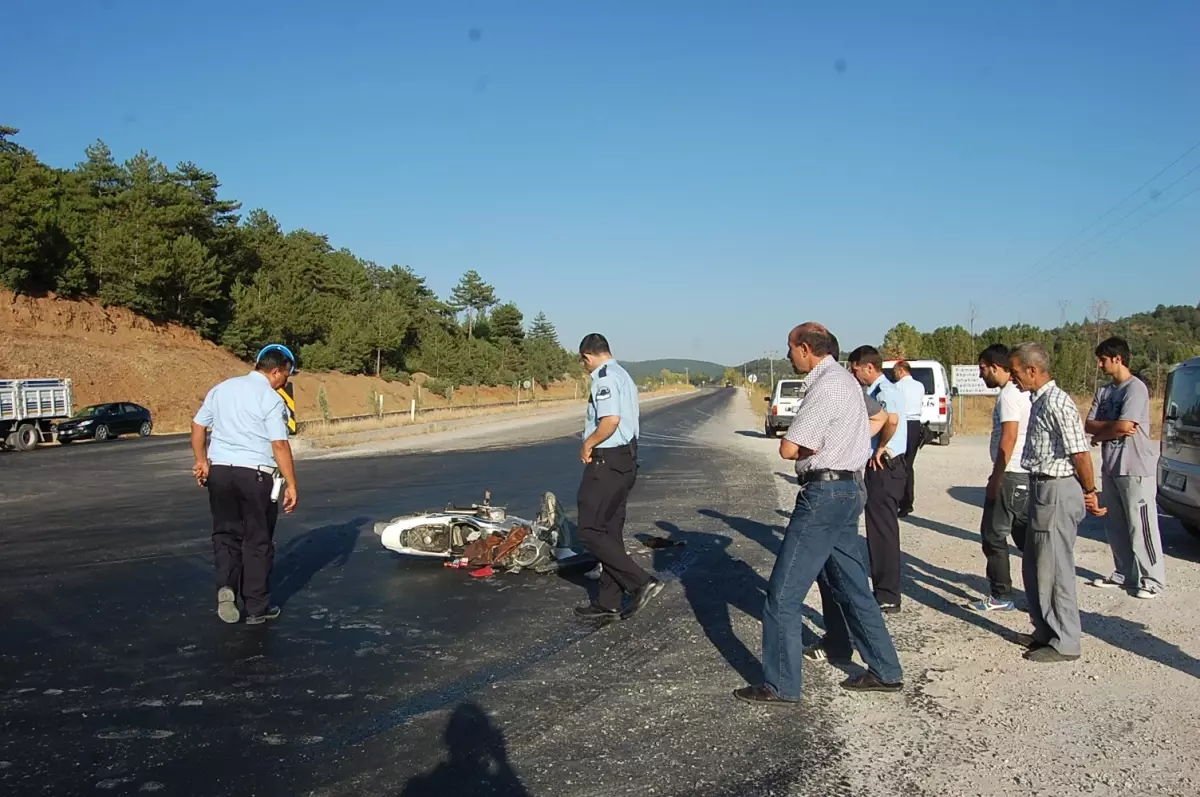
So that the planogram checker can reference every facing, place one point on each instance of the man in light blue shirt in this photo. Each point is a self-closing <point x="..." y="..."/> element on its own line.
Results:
<point x="609" y="454"/>
<point x="241" y="468"/>
<point x="884" y="477"/>
<point x="913" y="393"/>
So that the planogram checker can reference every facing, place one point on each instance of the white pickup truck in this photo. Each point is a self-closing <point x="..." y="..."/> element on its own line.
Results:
<point x="28" y="409"/>
<point x="784" y="401"/>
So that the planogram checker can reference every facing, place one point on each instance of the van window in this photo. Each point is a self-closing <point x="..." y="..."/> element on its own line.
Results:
<point x="1184" y="390"/>
<point x="922" y="374"/>
<point x="792" y="388"/>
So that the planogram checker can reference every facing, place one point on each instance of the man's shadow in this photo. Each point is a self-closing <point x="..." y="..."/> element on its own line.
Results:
<point x="974" y="537"/>
<point x="1092" y="527"/>
<point x="921" y="578"/>
<point x="477" y="764"/>
<point x="308" y="554"/>
<point x="713" y="581"/>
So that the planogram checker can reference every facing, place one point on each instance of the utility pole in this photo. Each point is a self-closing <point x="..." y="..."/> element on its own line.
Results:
<point x="1099" y="313"/>
<point x="972" y="314"/>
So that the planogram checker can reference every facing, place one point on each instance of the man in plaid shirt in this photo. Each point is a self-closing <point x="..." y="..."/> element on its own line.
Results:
<point x="1062" y="488"/>
<point x="829" y="440"/>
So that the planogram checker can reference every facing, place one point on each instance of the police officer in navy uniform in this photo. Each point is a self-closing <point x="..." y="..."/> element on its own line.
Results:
<point x="609" y="454"/>
<point x="248" y="470"/>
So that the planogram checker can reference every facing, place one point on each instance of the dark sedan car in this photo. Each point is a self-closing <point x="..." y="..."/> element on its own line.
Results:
<point x="104" y="422"/>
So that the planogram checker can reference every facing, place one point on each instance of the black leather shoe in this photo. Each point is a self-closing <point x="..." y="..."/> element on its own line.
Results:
<point x="889" y="608"/>
<point x="592" y="610"/>
<point x="641" y="596"/>
<point x="761" y="695"/>
<point x="870" y="682"/>
<point x="1046" y="655"/>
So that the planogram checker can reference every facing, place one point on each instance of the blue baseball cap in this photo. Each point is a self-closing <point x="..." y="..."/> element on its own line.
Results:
<point x="280" y="348"/>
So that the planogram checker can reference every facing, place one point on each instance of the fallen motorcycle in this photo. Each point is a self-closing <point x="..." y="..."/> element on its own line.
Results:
<point x="485" y="535"/>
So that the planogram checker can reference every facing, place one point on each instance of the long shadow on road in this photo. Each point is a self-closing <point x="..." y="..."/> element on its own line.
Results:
<point x="308" y="554"/>
<point x="713" y="584"/>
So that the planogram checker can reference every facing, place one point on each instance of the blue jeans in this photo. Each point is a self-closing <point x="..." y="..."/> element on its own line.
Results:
<point x="822" y="540"/>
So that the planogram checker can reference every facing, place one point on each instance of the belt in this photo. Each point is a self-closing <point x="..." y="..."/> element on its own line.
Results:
<point x="826" y="475"/>
<point x="624" y="448"/>
<point x="1042" y="477"/>
<point x="261" y="468"/>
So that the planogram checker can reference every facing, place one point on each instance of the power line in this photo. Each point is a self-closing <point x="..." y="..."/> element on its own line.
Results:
<point x="1134" y="228"/>
<point x="1151" y="198"/>
<point x="1129" y="196"/>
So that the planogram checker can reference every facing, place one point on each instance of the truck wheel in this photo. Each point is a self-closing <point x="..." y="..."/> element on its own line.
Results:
<point x="943" y="439"/>
<point x="26" y="437"/>
<point x="768" y="431"/>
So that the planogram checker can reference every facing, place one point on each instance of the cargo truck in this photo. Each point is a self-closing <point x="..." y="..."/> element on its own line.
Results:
<point x="28" y="410"/>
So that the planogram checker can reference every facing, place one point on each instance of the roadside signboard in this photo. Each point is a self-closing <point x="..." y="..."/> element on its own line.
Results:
<point x="752" y="378"/>
<point x="966" y="378"/>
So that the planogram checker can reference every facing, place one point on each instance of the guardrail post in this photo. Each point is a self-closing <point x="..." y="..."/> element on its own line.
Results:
<point x="412" y="410"/>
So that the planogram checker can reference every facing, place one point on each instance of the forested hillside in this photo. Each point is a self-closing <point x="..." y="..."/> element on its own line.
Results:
<point x="1157" y="339"/>
<point x="163" y="243"/>
<point x="673" y="370"/>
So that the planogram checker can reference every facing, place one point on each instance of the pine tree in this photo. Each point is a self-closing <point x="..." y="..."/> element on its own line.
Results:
<point x="474" y="296"/>
<point x="506" y="323"/>
<point x="542" y="329"/>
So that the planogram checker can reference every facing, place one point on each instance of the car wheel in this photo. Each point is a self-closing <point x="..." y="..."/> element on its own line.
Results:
<point x="26" y="437"/>
<point x="145" y="430"/>
<point x="768" y="431"/>
<point x="101" y="433"/>
<point x="66" y="442"/>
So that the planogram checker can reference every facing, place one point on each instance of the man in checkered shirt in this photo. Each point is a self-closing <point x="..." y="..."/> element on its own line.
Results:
<point x="830" y="441"/>
<point x="1062" y="488"/>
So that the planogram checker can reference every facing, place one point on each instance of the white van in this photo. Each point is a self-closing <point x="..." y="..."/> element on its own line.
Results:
<point x="1179" y="448"/>
<point x="784" y="403"/>
<point x="937" y="413"/>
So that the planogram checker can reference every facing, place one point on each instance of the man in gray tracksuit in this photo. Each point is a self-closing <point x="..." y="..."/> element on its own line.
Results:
<point x="1120" y="420"/>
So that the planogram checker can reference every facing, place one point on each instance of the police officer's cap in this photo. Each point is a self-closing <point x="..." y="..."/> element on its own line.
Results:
<point x="279" y="347"/>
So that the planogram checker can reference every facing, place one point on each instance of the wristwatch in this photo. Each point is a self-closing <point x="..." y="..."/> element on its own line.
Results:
<point x="1090" y="492"/>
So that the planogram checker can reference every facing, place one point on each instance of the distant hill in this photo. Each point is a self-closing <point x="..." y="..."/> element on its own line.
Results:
<point x="640" y="369"/>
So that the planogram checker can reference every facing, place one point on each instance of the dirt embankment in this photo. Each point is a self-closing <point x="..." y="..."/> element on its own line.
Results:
<point x="113" y="354"/>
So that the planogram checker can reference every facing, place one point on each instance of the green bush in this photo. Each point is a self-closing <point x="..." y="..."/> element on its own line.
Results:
<point x="323" y="402"/>
<point x="390" y="374"/>
<point x="439" y="387"/>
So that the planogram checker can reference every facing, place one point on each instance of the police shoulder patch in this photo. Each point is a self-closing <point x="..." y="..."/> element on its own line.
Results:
<point x="603" y="392"/>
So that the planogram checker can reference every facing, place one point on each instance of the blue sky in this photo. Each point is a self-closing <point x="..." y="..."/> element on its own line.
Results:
<point x="690" y="178"/>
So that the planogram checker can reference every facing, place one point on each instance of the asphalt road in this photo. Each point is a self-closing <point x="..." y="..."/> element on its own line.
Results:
<point x="385" y="675"/>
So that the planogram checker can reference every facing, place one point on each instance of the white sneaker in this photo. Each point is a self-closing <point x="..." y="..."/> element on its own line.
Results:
<point x="1146" y="594"/>
<point x="1106" y="582"/>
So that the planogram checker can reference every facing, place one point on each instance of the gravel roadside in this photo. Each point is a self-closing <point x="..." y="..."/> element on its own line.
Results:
<point x="977" y="719"/>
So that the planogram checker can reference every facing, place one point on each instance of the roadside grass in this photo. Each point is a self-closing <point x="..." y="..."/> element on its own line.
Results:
<point x="325" y="430"/>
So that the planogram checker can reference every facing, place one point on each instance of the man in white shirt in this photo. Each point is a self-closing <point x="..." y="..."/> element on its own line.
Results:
<point x="1005" y="504"/>
<point x="914" y="400"/>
